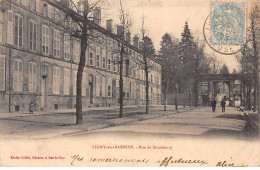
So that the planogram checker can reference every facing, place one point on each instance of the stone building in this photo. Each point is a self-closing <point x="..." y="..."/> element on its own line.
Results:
<point x="38" y="62"/>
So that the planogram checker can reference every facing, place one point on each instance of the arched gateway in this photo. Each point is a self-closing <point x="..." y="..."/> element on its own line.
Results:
<point x="218" y="86"/>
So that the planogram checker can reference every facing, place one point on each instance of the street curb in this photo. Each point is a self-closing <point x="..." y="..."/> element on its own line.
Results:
<point x="124" y="122"/>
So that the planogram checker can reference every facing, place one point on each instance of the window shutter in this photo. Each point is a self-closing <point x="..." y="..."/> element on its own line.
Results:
<point x="97" y="86"/>
<point x="20" y="76"/>
<point x="103" y="87"/>
<point x="38" y="6"/>
<point x="50" y="10"/>
<point x="1" y="32"/>
<point x="2" y="72"/>
<point x="15" y="75"/>
<point x="10" y="27"/>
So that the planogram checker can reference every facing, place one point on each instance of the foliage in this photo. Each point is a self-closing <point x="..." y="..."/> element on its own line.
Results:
<point x="224" y="69"/>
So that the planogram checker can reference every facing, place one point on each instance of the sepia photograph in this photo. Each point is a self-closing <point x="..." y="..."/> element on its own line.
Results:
<point x="129" y="83"/>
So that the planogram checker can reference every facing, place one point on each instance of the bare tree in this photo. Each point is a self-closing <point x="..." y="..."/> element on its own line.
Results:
<point x="255" y="21"/>
<point x="147" y="49"/>
<point x="245" y="59"/>
<point x="78" y="22"/>
<point x="124" y="27"/>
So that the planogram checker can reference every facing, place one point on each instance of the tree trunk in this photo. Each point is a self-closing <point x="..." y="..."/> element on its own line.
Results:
<point x="147" y="87"/>
<point x="196" y="92"/>
<point x="249" y="96"/>
<point x="176" y="99"/>
<point x="121" y="83"/>
<point x="165" y="95"/>
<point x="255" y="64"/>
<point x="79" y="119"/>
<point x="255" y="91"/>
<point x="190" y="97"/>
<point x="184" y="100"/>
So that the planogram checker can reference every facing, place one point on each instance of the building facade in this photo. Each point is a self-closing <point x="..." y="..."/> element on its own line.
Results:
<point x="39" y="62"/>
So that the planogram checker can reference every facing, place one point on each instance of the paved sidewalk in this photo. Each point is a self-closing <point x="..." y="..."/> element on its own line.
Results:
<point x="46" y="112"/>
<point x="53" y="124"/>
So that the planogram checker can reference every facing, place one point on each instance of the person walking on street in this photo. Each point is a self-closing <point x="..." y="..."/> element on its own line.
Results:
<point x="213" y="105"/>
<point x="31" y="105"/>
<point x="223" y="105"/>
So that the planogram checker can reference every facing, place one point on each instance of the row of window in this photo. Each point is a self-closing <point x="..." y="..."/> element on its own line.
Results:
<point x="18" y="81"/>
<point x="53" y="13"/>
<point x="18" y="72"/>
<point x="15" y="36"/>
<point x="32" y="74"/>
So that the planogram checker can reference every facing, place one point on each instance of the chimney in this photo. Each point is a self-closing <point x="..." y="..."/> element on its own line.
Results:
<point x="110" y="25"/>
<point x="136" y="41"/>
<point x="128" y="37"/>
<point x="120" y="30"/>
<point x="97" y="15"/>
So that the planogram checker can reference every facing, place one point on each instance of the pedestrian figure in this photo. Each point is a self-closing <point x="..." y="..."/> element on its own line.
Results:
<point x="223" y="104"/>
<point x="213" y="105"/>
<point x="31" y="105"/>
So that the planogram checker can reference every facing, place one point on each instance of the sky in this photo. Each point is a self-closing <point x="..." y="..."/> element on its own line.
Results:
<point x="169" y="16"/>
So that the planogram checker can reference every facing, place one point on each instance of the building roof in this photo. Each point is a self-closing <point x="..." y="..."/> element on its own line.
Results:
<point x="97" y="27"/>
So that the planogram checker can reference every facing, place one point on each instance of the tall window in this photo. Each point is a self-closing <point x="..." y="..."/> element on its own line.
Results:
<point x="91" y="59"/>
<point x="32" y="5"/>
<point x="74" y="82"/>
<point x="114" y="63"/>
<point x="84" y="84"/>
<point x="103" y="86"/>
<point x="109" y="61"/>
<point x="53" y="10"/>
<point x="56" y="43"/>
<point x="45" y="39"/>
<point x="66" y="81"/>
<point x="56" y="80"/>
<point x="98" y="84"/>
<point x="76" y="51"/>
<point x="91" y="62"/>
<point x="18" y="76"/>
<point x="32" y="35"/>
<point x="104" y="59"/>
<point x="109" y="64"/>
<point x="2" y="72"/>
<point x="109" y="87"/>
<point x="32" y="77"/>
<point x="1" y="26"/>
<point x="18" y="30"/>
<point x="98" y="57"/>
<point x="66" y="46"/>
<point x="10" y="27"/>
<point x="114" y="66"/>
<point x="45" y="10"/>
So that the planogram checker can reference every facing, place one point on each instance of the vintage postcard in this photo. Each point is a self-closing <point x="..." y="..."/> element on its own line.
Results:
<point x="129" y="83"/>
